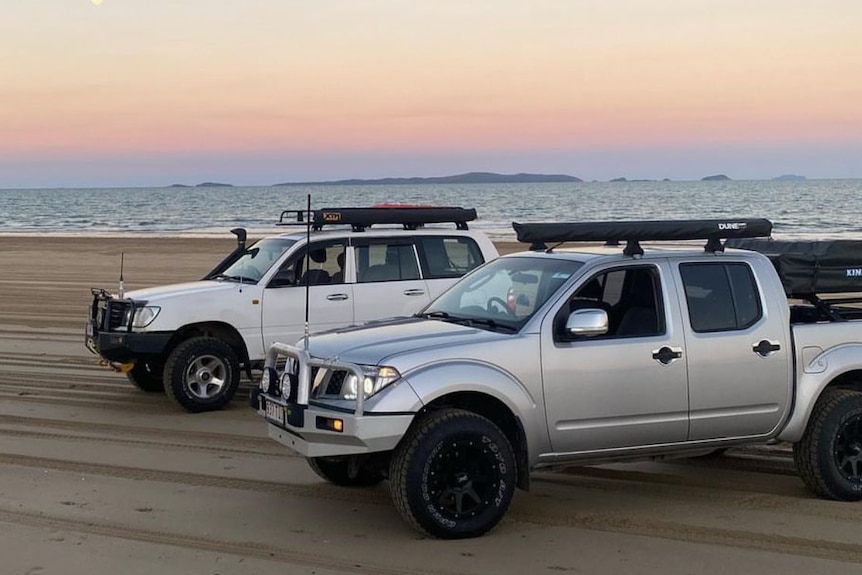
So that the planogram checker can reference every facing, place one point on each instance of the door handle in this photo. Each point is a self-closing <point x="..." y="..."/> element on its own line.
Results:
<point x="765" y="347"/>
<point x="667" y="355"/>
<point x="415" y="291"/>
<point x="337" y="297"/>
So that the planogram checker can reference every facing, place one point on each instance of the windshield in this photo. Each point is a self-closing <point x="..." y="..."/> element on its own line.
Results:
<point x="254" y="263"/>
<point x="503" y="294"/>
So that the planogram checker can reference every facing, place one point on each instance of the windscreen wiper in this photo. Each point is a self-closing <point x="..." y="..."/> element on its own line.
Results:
<point x="243" y="279"/>
<point x="490" y="323"/>
<point x="434" y="315"/>
<point x="469" y="321"/>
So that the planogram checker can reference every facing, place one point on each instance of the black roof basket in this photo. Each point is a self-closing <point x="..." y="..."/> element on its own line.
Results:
<point x="411" y="217"/>
<point x="633" y="232"/>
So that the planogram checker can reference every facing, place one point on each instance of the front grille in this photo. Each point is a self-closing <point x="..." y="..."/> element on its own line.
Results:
<point x="327" y="382"/>
<point x="111" y="314"/>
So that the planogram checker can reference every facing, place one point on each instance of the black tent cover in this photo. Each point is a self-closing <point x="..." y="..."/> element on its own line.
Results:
<point x="645" y="230"/>
<point x="811" y="267"/>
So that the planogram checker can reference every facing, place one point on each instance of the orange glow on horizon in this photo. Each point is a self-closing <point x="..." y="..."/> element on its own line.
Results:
<point x="390" y="76"/>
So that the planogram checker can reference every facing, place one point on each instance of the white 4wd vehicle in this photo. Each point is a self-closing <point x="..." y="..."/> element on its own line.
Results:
<point x="193" y="339"/>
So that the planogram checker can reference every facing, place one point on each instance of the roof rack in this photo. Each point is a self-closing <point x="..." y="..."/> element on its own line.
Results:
<point x="634" y="232"/>
<point x="411" y="217"/>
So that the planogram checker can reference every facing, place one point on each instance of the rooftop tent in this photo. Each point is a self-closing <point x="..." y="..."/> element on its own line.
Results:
<point x="811" y="267"/>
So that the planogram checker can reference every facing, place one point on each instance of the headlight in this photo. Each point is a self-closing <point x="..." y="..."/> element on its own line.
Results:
<point x="144" y="316"/>
<point x="375" y="378"/>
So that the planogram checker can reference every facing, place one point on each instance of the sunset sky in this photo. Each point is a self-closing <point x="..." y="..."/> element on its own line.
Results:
<point x="154" y="92"/>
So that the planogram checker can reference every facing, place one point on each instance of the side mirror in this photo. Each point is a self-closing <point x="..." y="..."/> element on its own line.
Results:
<point x="587" y="322"/>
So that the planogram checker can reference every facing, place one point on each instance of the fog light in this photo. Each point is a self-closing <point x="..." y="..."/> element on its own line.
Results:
<point x="330" y="424"/>
<point x="268" y="381"/>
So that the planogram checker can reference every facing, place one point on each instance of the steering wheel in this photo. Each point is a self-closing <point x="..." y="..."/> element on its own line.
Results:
<point x="493" y="302"/>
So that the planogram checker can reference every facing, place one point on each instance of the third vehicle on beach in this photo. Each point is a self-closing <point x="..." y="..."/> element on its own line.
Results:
<point x="558" y="356"/>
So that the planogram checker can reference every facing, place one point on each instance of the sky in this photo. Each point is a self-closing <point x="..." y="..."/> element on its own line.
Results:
<point x="103" y="93"/>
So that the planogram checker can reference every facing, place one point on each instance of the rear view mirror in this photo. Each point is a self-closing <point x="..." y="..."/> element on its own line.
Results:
<point x="587" y="322"/>
<point x="524" y="278"/>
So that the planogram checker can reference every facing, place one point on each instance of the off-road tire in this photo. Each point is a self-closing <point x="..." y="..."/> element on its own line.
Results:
<point x="202" y="374"/>
<point x="829" y="456"/>
<point x="453" y="474"/>
<point x="147" y="376"/>
<point x="336" y="470"/>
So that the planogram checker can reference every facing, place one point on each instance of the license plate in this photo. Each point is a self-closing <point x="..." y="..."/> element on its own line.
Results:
<point x="274" y="412"/>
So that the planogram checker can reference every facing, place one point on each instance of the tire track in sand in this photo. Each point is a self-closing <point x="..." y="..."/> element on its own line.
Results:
<point x="240" y="548"/>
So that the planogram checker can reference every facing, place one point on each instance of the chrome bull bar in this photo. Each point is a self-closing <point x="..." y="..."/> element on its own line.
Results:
<point x="306" y="361"/>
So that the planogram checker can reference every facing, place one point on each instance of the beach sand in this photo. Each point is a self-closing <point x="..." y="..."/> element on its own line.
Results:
<point x="97" y="477"/>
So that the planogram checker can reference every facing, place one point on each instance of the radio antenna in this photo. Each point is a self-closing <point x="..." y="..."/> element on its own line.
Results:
<point x="121" y="291"/>
<point x="307" y="266"/>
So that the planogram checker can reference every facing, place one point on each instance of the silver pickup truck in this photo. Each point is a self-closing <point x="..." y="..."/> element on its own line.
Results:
<point x="608" y="353"/>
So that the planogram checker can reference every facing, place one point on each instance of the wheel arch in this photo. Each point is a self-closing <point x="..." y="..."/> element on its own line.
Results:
<point x="221" y="330"/>
<point x="809" y="391"/>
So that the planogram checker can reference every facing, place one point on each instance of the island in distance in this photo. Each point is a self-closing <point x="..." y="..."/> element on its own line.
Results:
<point x="789" y="178"/>
<point x="468" y="178"/>
<point x="715" y="178"/>
<point x="203" y="185"/>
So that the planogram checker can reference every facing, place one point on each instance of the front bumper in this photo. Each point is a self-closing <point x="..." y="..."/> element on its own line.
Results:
<point x="107" y="335"/>
<point x="314" y="427"/>
<point x="306" y="429"/>
<point x="125" y="347"/>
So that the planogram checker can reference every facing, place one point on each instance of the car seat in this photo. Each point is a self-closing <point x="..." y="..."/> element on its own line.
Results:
<point x="639" y="315"/>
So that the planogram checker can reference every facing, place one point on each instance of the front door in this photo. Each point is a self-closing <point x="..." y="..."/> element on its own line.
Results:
<point x="625" y="388"/>
<point x="330" y="299"/>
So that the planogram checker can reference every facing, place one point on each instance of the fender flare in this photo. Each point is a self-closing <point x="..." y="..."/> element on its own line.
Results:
<point x="816" y="376"/>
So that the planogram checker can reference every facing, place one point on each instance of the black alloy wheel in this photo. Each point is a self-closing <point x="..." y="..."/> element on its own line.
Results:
<point x="848" y="449"/>
<point x="829" y="455"/>
<point x="453" y="474"/>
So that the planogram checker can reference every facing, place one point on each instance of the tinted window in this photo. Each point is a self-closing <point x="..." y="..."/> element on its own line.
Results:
<point x="444" y="257"/>
<point x="325" y="267"/>
<point x="379" y="262"/>
<point x="720" y="296"/>
<point x="630" y="296"/>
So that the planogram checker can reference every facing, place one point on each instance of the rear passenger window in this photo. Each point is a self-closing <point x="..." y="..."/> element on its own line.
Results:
<point x="720" y="296"/>
<point x="380" y="262"/>
<point x="447" y="257"/>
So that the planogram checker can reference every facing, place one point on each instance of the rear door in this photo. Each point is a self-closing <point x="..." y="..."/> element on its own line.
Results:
<point x="739" y="356"/>
<point x="388" y="281"/>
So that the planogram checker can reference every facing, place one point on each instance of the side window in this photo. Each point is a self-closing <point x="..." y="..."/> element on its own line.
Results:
<point x="380" y="262"/>
<point x="720" y="296"/>
<point x="324" y="267"/>
<point x="630" y="296"/>
<point x="447" y="257"/>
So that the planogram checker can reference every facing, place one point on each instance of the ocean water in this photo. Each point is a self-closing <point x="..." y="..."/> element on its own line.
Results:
<point x="798" y="209"/>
